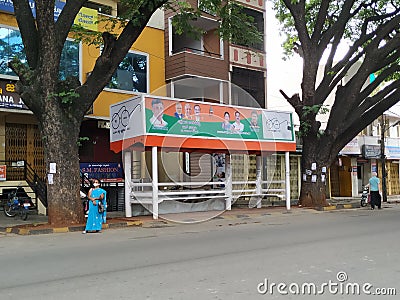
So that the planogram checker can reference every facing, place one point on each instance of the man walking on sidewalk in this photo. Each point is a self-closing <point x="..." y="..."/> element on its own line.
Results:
<point x="374" y="188"/>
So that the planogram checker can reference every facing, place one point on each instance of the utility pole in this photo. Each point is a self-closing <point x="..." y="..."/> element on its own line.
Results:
<point x="383" y="129"/>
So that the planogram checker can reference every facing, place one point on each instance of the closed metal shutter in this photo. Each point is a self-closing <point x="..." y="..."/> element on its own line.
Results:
<point x="200" y="167"/>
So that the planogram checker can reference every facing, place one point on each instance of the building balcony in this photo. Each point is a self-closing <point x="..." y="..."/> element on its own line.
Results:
<point x="191" y="61"/>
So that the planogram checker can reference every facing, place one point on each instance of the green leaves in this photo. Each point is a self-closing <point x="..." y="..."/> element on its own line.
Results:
<point x="308" y="118"/>
<point x="66" y="97"/>
<point x="82" y="139"/>
<point x="315" y="110"/>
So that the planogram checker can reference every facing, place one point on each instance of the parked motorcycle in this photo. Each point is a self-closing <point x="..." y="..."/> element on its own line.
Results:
<point x="365" y="200"/>
<point x="17" y="205"/>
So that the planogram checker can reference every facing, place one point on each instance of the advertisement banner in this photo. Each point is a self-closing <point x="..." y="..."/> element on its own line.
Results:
<point x="106" y="172"/>
<point x="146" y="121"/>
<point x="202" y="119"/>
<point x="126" y="119"/>
<point x="9" y="97"/>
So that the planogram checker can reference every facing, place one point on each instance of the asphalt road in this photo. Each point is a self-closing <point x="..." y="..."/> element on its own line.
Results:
<point x="220" y="259"/>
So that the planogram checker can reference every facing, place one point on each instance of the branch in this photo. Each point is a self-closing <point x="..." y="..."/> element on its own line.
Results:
<point x="334" y="76"/>
<point x="375" y="59"/>
<point x="373" y="101"/>
<point x="336" y="31"/>
<point x="321" y="18"/>
<point x="66" y="19"/>
<point x="298" y="12"/>
<point x="369" y="116"/>
<point x="353" y="125"/>
<point x="114" y="52"/>
<point x="380" y="79"/>
<point x="29" y="33"/>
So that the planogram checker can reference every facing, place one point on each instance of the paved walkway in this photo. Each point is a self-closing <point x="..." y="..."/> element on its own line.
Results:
<point x="37" y="224"/>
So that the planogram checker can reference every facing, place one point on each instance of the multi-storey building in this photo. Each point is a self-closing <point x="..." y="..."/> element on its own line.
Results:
<point x="19" y="134"/>
<point x="160" y="62"/>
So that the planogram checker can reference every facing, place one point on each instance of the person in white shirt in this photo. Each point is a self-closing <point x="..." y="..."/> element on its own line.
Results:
<point x="158" y="111"/>
<point x="237" y="126"/>
<point x="197" y="113"/>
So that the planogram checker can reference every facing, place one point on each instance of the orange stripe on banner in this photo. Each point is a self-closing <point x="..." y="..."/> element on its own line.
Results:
<point x="190" y="144"/>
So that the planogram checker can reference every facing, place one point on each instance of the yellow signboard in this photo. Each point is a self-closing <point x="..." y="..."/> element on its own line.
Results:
<point x="87" y="18"/>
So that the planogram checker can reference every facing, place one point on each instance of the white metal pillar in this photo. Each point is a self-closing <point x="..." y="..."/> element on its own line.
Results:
<point x="354" y="177"/>
<point x="228" y="182"/>
<point x="172" y="91"/>
<point x="154" y="169"/>
<point x="128" y="180"/>
<point x="287" y="180"/>
<point x="221" y="92"/>
<point x="259" y="180"/>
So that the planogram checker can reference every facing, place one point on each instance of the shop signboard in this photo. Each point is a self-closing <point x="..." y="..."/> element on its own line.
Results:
<point x="106" y="172"/>
<point x="392" y="152"/>
<point x="8" y="7"/>
<point x="352" y="147"/>
<point x="371" y="151"/>
<point x="87" y="18"/>
<point x="9" y="97"/>
<point x="192" y="124"/>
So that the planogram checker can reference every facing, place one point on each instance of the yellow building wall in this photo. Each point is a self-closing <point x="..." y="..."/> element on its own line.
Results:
<point x="151" y="41"/>
<point x="8" y="19"/>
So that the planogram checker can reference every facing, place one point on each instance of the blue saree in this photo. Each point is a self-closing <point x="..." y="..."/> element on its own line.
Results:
<point x="96" y="193"/>
<point x="95" y="219"/>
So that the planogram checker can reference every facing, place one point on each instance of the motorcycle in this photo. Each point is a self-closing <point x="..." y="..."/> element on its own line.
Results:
<point x="17" y="205"/>
<point x="365" y="200"/>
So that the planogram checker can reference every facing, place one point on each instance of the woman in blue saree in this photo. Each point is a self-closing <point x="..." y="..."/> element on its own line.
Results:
<point x="96" y="219"/>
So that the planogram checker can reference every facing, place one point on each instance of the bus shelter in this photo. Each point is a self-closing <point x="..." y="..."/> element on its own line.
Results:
<point x="159" y="124"/>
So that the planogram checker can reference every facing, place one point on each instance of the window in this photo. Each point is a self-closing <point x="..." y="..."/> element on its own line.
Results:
<point x="248" y="84"/>
<point x="131" y="74"/>
<point x="69" y="64"/>
<point x="258" y="23"/>
<point x="11" y="46"/>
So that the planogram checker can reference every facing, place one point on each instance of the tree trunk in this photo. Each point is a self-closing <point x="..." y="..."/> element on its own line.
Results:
<point x="61" y="140"/>
<point x="315" y="164"/>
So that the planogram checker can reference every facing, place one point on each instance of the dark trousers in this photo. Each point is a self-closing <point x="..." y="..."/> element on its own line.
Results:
<point x="375" y="199"/>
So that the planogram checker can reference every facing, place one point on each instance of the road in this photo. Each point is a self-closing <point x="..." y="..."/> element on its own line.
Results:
<point x="218" y="259"/>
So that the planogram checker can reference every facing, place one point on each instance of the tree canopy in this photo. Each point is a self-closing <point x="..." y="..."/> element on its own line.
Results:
<point x="315" y="27"/>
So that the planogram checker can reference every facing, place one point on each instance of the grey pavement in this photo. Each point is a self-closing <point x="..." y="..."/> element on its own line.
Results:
<point x="224" y="258"/>
<point x="35" y="219"/>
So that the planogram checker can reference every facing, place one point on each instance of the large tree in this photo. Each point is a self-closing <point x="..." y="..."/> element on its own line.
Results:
<point x="61" y="105"/>
<point x="317" y="27"/>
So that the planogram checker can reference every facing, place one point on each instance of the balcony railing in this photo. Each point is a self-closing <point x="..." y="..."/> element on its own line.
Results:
<point x="196" y="51"/>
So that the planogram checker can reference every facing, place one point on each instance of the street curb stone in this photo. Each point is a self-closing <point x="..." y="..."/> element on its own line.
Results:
<point x="30" y="231"/>
<point x="154" y="224"/>
<point x="338" y="206"/>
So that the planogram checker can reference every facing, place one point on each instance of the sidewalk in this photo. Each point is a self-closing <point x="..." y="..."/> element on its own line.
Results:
<point x="37" y="224"/>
